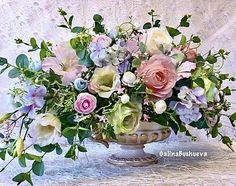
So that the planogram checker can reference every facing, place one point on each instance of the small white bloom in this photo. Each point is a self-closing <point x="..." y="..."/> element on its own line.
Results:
<point x="45" y="129"/>
<point x="129" y="79"/>
<point x="160" y="106"/>
<point x="124" y="98"/>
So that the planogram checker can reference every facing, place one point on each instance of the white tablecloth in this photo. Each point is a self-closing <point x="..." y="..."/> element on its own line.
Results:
<point x="219" y="167"/>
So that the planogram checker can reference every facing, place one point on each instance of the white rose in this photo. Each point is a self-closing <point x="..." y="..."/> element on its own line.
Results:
<point x="160" y="106"/>
<point x="124" y="98"/>
<point x="129" y="79"/>
<point x="156" y="40"/>
<point x="45" y="129"/>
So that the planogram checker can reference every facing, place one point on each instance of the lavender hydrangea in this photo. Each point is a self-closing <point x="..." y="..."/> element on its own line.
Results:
<point x="33" y="100"/>
<point x="186" y="115"/>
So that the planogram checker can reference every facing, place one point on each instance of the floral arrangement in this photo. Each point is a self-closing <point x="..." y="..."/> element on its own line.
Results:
<point x="103" y="82"/>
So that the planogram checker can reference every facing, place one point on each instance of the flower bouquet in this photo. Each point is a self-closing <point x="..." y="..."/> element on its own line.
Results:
<point x="102" y="83"/>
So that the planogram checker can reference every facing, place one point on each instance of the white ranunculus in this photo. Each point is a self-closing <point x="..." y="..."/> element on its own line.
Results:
<point x="124" y="98"/>
<point x="156" y="40"/>
<point x="45" y="129"/>
<point x="129" y="79"/>
<point x="160" y="106"/>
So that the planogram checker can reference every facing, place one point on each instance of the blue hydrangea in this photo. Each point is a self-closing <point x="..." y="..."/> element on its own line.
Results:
<point x="36" y="66"/>
<point x="80" y="84"/>
<point x="186" y="115"/>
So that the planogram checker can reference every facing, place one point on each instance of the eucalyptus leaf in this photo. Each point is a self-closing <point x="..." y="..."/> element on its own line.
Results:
<point x="38" y="168"/>
<point x="22" y="61"/>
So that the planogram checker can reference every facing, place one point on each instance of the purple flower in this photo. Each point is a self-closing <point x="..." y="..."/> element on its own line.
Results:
<point x="186" y="115"/>
<point x="124" y="66"/>
<point x="33" y="100"/>
<point x="98" y="49"/>
<point x="120" y="42"/>
<point x="189" y="97"/>
<point x="112" y="33"/>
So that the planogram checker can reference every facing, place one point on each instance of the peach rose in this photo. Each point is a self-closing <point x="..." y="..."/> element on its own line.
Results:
<point x="159" y="74"/>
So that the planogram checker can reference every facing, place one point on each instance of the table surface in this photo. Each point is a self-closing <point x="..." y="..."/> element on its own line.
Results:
<point x="92" y="169"/>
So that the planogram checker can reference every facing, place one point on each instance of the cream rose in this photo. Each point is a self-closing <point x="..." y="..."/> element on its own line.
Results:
<point x="157" y="39"/>
<point x="45" y="129"/>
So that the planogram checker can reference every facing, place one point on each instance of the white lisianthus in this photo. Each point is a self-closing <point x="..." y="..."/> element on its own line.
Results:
<point x="160" y="106"/>
<point x="157" y="40"/>
<point x="129" y="79"/>
<point x="124" y="98"/>
<point x="45" y="129"/>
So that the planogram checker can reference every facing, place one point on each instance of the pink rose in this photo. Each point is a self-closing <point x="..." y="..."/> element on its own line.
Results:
<point x="159" y="74"/>
<point x="102" y="39"/>
<point x="85" y="103"/>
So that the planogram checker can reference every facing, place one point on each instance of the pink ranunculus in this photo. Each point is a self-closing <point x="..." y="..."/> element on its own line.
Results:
<point x="85" y="103"/>
<point x="102" y="39"/>
<point x="65" y="64"/>
<point x="184" y="69"/>
<point x="159" y="74"/>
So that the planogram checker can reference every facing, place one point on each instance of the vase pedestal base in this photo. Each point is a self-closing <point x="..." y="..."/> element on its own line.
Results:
<point x="132" y="155"/>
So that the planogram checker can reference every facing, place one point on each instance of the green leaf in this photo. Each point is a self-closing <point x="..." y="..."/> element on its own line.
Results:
<point x="58" y="149"/>
<point x="70" y="132"/>
<point x="71" y="152"/>
<point x="213" y="78"/>
<point x="43" y="54"/>
<point x="22" y="161"/>
<point x="14" y="73"/>
<point x="3" y="155"/>
<point x="4" y="69"/>
<point x="33" y="157"/>
<point x="196" y="39"/>
<point x="22" y="61"/>
<point x="3" y="61"/>
<point x="173" y="31"/>
<point x="199" y="58"/>
<point x="142" y="47"/>
<point x="223" y="76"/>
<point x="185" y="21"/>
<point x="76" y="29"/>
<point x="97" y="18"/>
<point x="174" y="126"/>
<point x="227" y="91"/>
<point x="147" y="25"/>
<point x="29" y="74"/>
<point x="211" y="59"/>
<point x="33" y="42"/>
<point x="63" y="26"/>
<point x="214" y="132"/>
<point x="38" y="168"/>
<point x="83" y="134"/>
<point x="136" y="63"/>
<point x="200" y="82"/>
<point x="48" y="148"/>
<point x="183" y="40"/>
<point x="19" y="177"/>
<point x="28" y="178"/>
<point x="81" y="148"/>
<point x="200" y="124"/>
<point x="157" y="23"/>
<point x="38" y="148"/>
<point x="98" y="28"/>
<point x="226" y="140"/>
<point x="232" y="118"/>
<point x="71" y="20"/>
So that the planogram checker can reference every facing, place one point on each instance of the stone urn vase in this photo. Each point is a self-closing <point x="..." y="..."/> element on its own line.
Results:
<point x="132" y="145"/>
